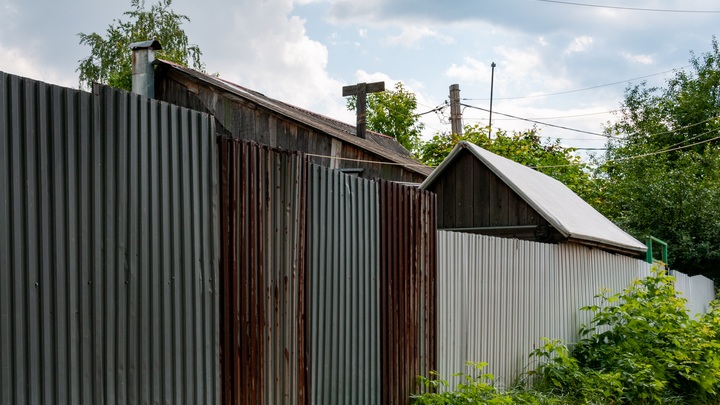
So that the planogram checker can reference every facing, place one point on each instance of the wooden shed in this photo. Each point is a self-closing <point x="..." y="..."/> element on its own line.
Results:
<point x="481" y="192"/>
<point x="246" y="114"/>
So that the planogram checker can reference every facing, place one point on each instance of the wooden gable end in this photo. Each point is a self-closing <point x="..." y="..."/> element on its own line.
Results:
<point x="471" y="198"/>
<point x="243" y="119"/>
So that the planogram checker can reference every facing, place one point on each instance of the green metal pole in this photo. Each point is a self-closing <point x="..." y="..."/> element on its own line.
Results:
<point x="649" y="242"/>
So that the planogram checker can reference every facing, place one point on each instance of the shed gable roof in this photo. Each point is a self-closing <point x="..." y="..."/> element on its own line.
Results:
<point x="381" y="145"/>
<point x="560" y="206"/>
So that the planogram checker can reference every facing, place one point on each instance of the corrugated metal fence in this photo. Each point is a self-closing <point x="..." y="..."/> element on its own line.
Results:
<point x="111" y="238"/>
<point x="108" y="248"/>
<point x="372" y="272"/>
<point x="263" y="274"/>
<point x="498" y="297"/>
<point x="697" y="290"/>
<point x="323" y="333"/>
<point x="344" y="276"/>
<point x="407" y="289"/>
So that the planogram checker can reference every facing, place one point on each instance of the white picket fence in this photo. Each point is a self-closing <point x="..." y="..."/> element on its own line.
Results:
<point x="496" y="298"/>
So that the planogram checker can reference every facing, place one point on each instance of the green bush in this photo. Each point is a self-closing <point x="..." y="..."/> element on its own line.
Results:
<point x="640" y="347"/>
<point x="476" y="388"/>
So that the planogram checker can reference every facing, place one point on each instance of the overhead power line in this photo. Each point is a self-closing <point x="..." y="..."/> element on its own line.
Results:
<point x="642" y="155"/>
<point x="538" y="122"/>
<point x="658" y="10"/>
<point x="557" y="117"/>
<point x="577" y="90"/>
<point x="438" y="108"/>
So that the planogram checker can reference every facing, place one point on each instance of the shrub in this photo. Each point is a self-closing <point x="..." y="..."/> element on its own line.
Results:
<point x="477" y="388"/>
<point x="641" y="347"/>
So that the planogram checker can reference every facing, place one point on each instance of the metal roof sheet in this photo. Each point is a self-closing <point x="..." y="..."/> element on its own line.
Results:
<point x="559" y="205"/>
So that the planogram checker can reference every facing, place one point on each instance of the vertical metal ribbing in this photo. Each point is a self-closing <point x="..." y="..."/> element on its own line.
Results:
<point x="87" y="236"/>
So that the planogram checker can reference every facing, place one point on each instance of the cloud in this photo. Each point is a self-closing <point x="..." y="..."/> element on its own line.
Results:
<point x="579" y="44"/>
<point x="641" y="59"/>
<point x="8" y="15"/>
<point x="21" y="62"/>
<point x="268" y="49"/>
<point x="471" y="71"/>
<point x="411" y="35"/>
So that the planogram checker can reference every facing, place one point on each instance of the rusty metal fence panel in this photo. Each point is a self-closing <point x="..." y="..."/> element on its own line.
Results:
<point x="343" y="246"/>
<point x="108" y="248"/>
<point x="407" y="289"/>
<point x="262" y="274"/>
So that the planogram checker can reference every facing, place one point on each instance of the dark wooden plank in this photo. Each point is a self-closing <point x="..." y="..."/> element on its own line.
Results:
<point x="482" y="187"/>
<point x="300" y="141"/>
<point x="247" y="122"/>
<point x="438" y="188"/>
<point x="504" y="197"/>
<point x="368" y="87"/>
<point x="272" y="130"/>
<point x="463" y="191"/>
<point x="262" y="125"/>
<point x="450" y="201"/>
<point x="493" y="199"/>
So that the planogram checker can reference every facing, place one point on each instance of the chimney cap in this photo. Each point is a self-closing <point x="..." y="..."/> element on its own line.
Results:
<point x="154" y="44"/>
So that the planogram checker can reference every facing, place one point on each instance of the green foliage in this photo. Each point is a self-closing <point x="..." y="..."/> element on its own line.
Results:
<point x="476" y="388"/>
<point x="110" y="56"/>
<point x="672" y="190"/>
<point x="392" y="112"/>
<point x="640" y="347"/>
<point x="526" y="148"/>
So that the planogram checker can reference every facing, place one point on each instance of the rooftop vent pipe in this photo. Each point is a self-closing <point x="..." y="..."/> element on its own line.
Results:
<point x="143" y="73"/>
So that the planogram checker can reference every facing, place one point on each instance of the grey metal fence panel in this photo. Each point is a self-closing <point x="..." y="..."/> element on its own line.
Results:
<point x="108" y="248"/>
<point x="284" y="280"/>
<point x="343" y="246"/>
<point x="497" y="298"/>
<point x="697" y="290"/>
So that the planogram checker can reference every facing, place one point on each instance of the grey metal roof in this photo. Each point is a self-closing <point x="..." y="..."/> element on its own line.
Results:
<point x="379" y="144"/>
<point x="559" y="205"/>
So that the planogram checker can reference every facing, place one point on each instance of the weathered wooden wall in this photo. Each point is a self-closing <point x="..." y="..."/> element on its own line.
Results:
<point x="246" y="120"/>
<point x="489" y="204"/>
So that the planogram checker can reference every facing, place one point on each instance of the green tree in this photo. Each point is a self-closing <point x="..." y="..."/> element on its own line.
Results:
<point x="392" y="112"/>
<point x="526" y="148"/>
<point x="110" y="59"/>
<point x="662" y="170"/>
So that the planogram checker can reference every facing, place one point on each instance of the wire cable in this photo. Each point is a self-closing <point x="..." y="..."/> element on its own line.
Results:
<point x="658" y="152"/>
<point x="539" y="122"/>
<point x="659" y="10"/>
<point x="576" y="90"/>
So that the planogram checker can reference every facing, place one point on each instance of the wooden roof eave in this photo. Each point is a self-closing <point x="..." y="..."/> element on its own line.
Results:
<point x="297" y="117"/>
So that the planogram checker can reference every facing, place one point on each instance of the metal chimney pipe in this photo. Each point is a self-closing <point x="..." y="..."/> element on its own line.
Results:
<point x="143" y="72"/>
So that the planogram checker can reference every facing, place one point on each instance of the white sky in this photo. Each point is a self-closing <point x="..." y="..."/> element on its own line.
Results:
<point x="303" y="51"/>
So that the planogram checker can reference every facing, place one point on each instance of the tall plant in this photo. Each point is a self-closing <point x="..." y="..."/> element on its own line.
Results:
<point x="110" y="61"/>
<point x="640" y="347"/>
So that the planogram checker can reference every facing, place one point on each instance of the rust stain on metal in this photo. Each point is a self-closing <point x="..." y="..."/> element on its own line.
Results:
<point x="407" y="289"/>
<point x="254" y="184"/>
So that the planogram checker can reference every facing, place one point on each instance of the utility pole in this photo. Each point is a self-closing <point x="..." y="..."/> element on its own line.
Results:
<point x="455" y="113"/>
<point x="492" y="82"/>
<point x="360" y="90"/>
